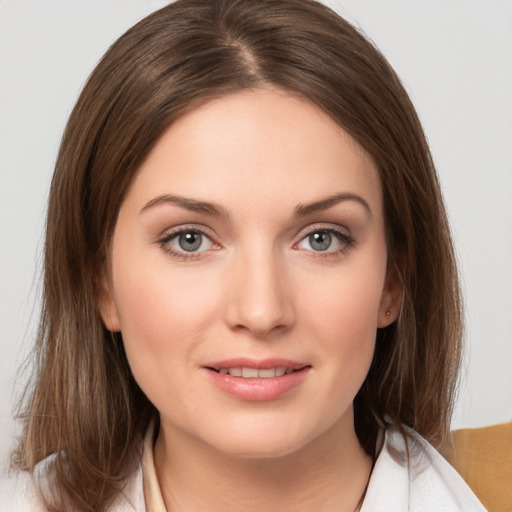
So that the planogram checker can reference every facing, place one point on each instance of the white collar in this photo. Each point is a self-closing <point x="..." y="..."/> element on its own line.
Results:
<point x="422" y="482"/>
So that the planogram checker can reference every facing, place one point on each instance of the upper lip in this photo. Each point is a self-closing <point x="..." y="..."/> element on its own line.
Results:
<point x="260" y="364"/>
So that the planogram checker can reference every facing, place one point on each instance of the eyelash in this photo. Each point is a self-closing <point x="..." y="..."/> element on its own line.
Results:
<point x="182" y="255"/>
<point x="347" y="242"/>
<point x="342" y="236"/>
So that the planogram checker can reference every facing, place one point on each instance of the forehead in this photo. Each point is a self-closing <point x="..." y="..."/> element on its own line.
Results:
<point x="258" y="148"/>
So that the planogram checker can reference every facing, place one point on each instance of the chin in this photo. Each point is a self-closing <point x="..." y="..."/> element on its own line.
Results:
<point x="260" y="448"/>
<point x="260" y="440"/>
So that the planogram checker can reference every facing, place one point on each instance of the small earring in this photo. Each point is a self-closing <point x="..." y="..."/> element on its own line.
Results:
<point x="388" y="313"/>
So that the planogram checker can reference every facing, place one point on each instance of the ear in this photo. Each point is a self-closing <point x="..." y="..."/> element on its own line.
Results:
<point x="106" y="304"/>
<point x="391" y="299"/>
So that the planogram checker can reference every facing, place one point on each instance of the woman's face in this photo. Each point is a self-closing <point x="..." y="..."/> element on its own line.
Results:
<point x="249" y="275"/>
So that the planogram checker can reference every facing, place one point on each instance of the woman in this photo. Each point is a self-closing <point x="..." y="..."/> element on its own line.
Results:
<point x="250" y="294"/>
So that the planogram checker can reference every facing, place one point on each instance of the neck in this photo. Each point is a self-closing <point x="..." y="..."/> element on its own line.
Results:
<point x="329" y="473"/>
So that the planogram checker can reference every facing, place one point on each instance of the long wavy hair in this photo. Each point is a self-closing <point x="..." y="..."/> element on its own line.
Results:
<point x="83" y="406"/>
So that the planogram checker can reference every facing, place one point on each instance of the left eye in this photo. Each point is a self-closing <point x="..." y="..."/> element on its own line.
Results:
<point x="323" y="240"/>
<point x="190" y="241"/>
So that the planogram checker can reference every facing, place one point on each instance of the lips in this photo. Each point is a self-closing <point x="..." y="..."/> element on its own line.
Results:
<point x="258" y="380"/>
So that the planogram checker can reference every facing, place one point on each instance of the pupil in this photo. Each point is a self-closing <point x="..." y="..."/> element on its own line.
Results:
<point x="190" y="241"/>
<point x="320" y="241"/>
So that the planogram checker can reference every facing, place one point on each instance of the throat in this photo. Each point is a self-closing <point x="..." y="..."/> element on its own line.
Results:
<point x="209" y="481"/>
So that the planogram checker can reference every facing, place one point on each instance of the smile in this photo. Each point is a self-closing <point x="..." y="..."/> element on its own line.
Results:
<point x="255" y="373"/>
<point x="257" y="380"/>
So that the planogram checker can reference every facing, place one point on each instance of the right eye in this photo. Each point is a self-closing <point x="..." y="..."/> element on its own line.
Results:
<point x="185" y="243"/>
<point x="190" y="241"/>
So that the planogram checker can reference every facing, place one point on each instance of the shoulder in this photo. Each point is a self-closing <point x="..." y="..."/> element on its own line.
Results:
<point x="18" y="494"/>
<point x="410" y="475"/>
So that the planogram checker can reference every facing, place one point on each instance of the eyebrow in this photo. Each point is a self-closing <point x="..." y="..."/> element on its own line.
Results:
<point x="303" y="210"/>
<point x="188" y="203"/>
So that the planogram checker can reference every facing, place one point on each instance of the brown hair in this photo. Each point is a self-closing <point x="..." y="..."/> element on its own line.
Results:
<point x="84" y="406"/>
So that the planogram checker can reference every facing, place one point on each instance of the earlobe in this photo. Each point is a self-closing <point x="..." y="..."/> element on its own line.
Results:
<point x="387" y="315"/>
<point x="391" y="299"/>
<point x="107" y="306"/>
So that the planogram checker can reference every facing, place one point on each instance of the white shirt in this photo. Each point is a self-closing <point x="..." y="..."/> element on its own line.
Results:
<point x="426" y="483"/>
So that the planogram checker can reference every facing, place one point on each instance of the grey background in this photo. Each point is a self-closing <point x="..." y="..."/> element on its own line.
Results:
<point x="455" y="58"/>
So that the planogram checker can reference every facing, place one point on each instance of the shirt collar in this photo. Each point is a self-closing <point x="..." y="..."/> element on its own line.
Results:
<point x="152" y="494"/>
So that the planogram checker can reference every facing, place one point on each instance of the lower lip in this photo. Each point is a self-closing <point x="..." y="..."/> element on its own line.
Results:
<point x="257" y="389"/>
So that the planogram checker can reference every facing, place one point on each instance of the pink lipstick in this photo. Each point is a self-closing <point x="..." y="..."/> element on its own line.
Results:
<point x="257" y="380"/>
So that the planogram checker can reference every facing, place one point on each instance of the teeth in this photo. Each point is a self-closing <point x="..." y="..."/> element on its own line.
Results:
<point x="249" y="373"/>
<point x="254" y="373"/>
<point x="266" y="374"/>
<point x="235" y="372"/>
<point x="280" y="372"/>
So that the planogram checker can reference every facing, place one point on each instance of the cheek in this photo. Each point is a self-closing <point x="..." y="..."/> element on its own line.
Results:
<point x="161" y="311"/>
<point x="349" y="331"/>
<point x="343" y="316"/>
<point x="347" y="305"/>
<point x="161" y="321"/>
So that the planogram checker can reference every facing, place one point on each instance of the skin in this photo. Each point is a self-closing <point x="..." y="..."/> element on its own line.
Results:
<point x="257" y="287"/>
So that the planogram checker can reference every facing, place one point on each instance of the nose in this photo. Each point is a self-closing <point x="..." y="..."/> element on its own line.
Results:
<point x="259" y="295"/>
